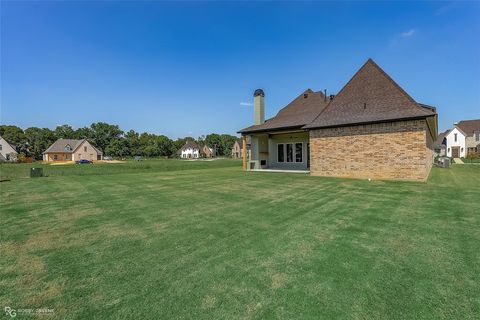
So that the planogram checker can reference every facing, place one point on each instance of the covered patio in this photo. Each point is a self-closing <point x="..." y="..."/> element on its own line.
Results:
<point x="282" y="151"/>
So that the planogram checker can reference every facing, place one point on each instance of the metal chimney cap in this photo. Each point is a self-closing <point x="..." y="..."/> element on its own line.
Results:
<point x="259" y="92"/>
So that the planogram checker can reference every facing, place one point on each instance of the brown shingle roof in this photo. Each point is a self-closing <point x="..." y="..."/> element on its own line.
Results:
<point x="370" y="96"/>
<point x="60" y="144"/>
<point x="469" y="126"/>
<point x="190" y="144"/>
<point x="299" y="112"/>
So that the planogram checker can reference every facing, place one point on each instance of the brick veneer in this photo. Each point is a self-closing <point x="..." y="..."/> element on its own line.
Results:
<point x="395" y="150"/>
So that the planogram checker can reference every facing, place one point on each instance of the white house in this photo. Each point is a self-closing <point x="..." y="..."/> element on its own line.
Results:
<point x="455" y="139"/>
<point x="7" y="151"/>
<point x="190" y="150"/>
<point x="462" y="140"/>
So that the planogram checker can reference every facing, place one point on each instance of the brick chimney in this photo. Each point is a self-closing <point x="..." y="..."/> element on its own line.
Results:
<point x="259" y="106"/>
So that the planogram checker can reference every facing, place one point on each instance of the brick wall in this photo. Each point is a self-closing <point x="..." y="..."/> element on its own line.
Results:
<point x="396" y="150"/>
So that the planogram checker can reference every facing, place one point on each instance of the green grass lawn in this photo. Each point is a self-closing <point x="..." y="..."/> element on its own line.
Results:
<point x="208" y="241"/>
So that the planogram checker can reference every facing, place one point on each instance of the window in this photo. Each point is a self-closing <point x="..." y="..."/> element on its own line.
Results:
<point x="55" y="157"/>
<point x="455" y="137"/>
<point x="68" y="148"/>
<point x="280" y="154"/>
<point x="0" y="147"/>
<point x="85" y="149"/>
<point x="298" y="152"/>
<point x="289" y="152"/>
<point x="477" y="137"/>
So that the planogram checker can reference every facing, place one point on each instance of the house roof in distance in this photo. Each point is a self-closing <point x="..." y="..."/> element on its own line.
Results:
<point x="60" y="145"/>
<point x="14" y="147"/>
<point x="370" y="96"/>
<point x="469" y="126"/>
<point x="190" y="144"/>
<point x="301" y="111"/>
<point x="440" y="137"/>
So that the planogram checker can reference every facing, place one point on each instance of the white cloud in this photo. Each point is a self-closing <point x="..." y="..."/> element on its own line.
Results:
<point x="446" y="8"/>
<point x="246" y="104"/>
<point x="408" y="33"/>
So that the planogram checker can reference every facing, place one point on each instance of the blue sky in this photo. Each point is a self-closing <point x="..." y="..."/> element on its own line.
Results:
<point x="190" y="68"/>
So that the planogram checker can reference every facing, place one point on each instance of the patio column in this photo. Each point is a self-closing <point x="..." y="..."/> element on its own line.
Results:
<point x="244" y="153"/>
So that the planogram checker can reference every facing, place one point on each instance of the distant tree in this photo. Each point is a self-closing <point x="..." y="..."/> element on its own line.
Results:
<point x="38" y="140"/>
<point x="227" y="144"/>
<point x="117" y="148"/>
<point x="221" y="143"/>
<point x="133" y="143"/>
<point x="201" y="139"/>
<point x="165" y="146"/>
<point x="152" y="145"/>
<point x="103" y="134"/>
<point x="214" y="141"/>
<point x="83" y="133"/>
<point x="64" y="132"/>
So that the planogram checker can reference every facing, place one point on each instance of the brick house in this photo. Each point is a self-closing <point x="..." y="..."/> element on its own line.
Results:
<point x="71" y="150"/>
<point x="237" y="149"/>
<point x="371" y="129"/>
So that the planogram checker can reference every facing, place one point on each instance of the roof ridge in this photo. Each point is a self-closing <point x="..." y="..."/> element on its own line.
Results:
<point x="469" y="120"/>
<point x="79" y="143"/>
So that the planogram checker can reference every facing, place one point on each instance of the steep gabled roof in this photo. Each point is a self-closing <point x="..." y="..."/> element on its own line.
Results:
<point x="302" y="110"/>
<point x="60" y="144"/>
<point x="190" y="144"/>
<point x="14" y="147"/>
<point x="469" y="126"/>
<point x="370" y="96"/>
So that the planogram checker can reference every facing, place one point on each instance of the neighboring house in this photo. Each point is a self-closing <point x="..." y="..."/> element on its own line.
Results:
<point x="455" y="142"/>
<point x="471" y="128"/>
<point x="193" y="150"/>
<point x="72" y="150"/>
<point x="8" y="151"/>
<point x="237" y="149"/>
<point x="463" y="138"/>
<point x="371" y="129"/>
<point x="440" y="145"/>
<point x="206" y="151"/>
<point x="190" y="150"/>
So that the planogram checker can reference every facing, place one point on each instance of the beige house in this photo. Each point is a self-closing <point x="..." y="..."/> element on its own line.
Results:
<point x="71" y="150"/>
<point x="237" y="148"/>
<point x="371" y="129"/>
<point x="7" y="151"/>
<point x="206" y="151"/>
<point x="471" y="130"/>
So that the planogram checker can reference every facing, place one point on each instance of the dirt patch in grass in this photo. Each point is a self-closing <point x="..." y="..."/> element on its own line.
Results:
<point x="122" y="231"/>
<point x="279" y="280"/>
<point x="31" y="284"/>
<point x="208" y="302"/>
<point x="74" y="213"/>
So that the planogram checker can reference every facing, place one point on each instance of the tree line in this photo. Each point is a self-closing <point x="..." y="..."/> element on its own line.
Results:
<point x="109" y="138"/>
